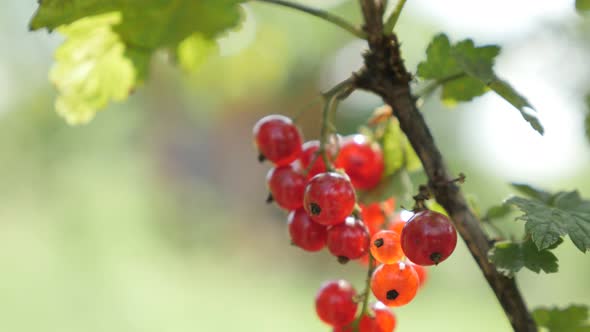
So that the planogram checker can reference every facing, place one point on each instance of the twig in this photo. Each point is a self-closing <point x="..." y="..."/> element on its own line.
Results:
<point x="337" y="20"/>
<point x="392" y="19"/>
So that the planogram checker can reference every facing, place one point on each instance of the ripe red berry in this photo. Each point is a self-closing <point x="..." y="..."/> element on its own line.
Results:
<point x="286" y="185"/>
<point x="349" y="240"/>
<point x="306" y="233"/>
<point x="373" y="216"/>
<point x="329" y="198"/>
<point x="386" y="247"/>
<point x="422" y="273"/>
<point x="311" y="159"/>
<point x="362" y="161"/>
<point x="277" y="139"/>
<point x="395" y="285"/>
<point x="334" y="303"/>
<point x="428" y="238"/>
<point x="382" y="321"/>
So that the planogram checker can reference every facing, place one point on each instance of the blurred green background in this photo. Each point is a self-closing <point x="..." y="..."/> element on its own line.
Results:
<point x="152" y="217"/>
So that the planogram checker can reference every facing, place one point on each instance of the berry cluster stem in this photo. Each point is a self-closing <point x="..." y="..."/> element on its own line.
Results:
<point x="331" y="99"/>
<point x="367" y="290"/>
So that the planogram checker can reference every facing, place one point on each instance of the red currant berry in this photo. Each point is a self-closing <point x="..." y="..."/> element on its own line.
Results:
<point x="306" y="233"/>
<point x="286" y="186"/>
<point x="373" y="216"/>
<point x="428" y="238"/>
<point x="277" y="139"/>
<point x="311" y="159"/>
<point x="362" y="161"/>
<point x="395" y="285"/>
<point x="329" y="198"/>
<point x="349" y="240"/>
<point x="397" y="226"/>
<point x="386" y="247"/>
<point x="383" y="320"/>
<point x="422" y="273"/>
<point x="334" y="303"/>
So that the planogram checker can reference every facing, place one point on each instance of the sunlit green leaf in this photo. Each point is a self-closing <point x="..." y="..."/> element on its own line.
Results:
<point x="504" y="90"/>
<point x="571" y="319"/>
<point x="564" y="213"/>
<point x="103" y="59"/>
<point x="91" y="69"/>
<point x="510" y="257"/>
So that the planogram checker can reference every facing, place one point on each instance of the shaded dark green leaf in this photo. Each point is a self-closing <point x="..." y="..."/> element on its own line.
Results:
<point x="571" y="319"/>
<point x="510" y="257"/>
<point x="497" y="211"/>
<point x="564" y="213"/>
<point x="532" y="192"/>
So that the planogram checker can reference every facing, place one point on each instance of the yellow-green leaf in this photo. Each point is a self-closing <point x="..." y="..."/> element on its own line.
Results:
<point x="91" y="68"/>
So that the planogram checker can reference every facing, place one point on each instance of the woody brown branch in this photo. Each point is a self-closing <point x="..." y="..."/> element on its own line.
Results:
<point x="385" y="75"/>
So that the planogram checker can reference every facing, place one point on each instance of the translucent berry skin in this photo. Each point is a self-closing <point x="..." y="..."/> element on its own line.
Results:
<point x="329" y="198"/>
<point x="311" y="160"/>
<point x="277" y="139"/>
<point x="334" y="303"/>
<point x="395" y="284"/>
<point x="428" y="238"/>
<point x="286" y="185"/>
<point x="349" y="240"/>
<point x="362" y="161"/>
<point x="422" y="273"/>
<point x="386" y="247"/>
<point x="306" y="233"/>
<point x="373" y="216"/>
<point x="383" y="320"/>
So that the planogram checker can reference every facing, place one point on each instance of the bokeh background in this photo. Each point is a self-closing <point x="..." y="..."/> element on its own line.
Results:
<point x="152" y="217"/>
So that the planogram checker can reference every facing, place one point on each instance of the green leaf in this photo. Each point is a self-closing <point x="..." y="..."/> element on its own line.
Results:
<point x="465" y="71"/>
<point x="504" y="90"/>
<point x="463" y="89"/>
<point x="510" y="257"/>
<point x="91" y="68"/>
<point x="532" y="192"/>
<point x="110" y="44"/>
<point x="397" y="150"/>
<point x="497" y="211"/>
<point x="193" y="52"/>
<point x="571" y="319"/>
<point x="583" y="5"/>
<point x="439" y="62"/>
<point x="476" y="61"/>
<point x="564" y="213"/>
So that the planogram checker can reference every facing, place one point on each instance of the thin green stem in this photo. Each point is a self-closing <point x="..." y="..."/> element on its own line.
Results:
<point x="337" y="20"/>
<point x="331" y="99"/>
<point x="392" y="19"/>
<point x="365" y="295"/>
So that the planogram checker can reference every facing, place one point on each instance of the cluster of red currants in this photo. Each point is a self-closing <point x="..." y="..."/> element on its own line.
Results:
<point x="318" y="185"/>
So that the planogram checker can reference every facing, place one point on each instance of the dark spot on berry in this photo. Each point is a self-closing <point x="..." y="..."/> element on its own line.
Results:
<point x="392" y="294"/>
<point x="378" y="243"/>
<point x="315" y="209"/>
<point x="261" y="158"/>
<point x="343" y="259"/>
<point x="435" y="257"/>
<point x="269" y="198"/>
